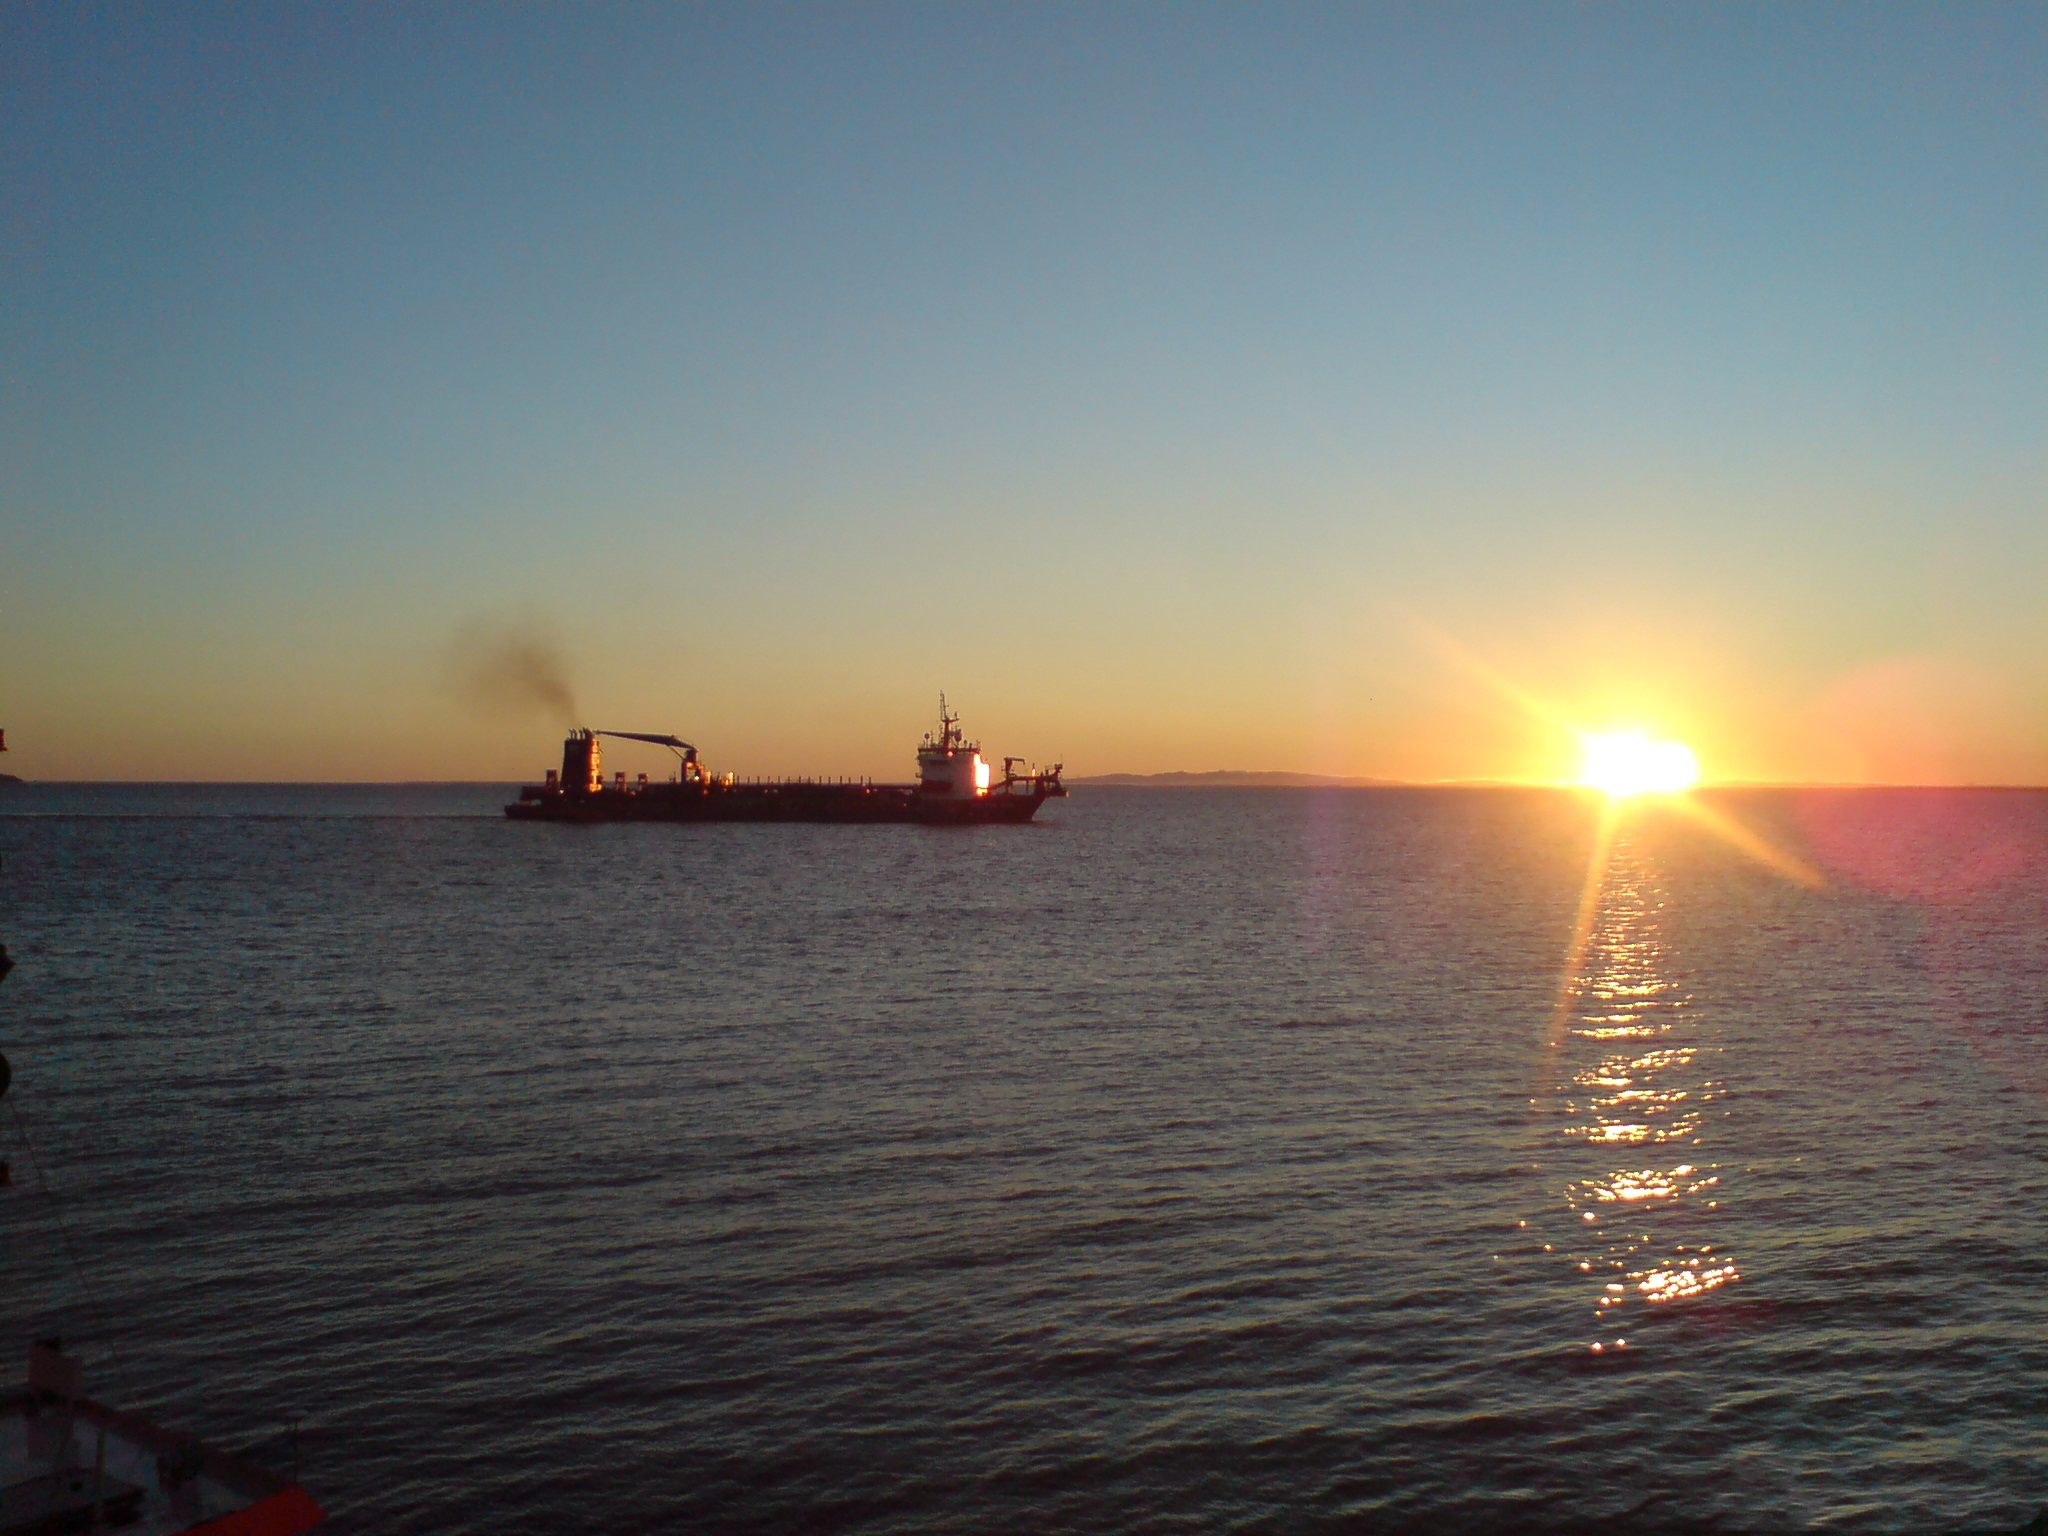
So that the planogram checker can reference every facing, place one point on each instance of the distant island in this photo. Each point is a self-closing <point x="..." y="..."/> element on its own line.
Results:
<point x="1231" y="778"/>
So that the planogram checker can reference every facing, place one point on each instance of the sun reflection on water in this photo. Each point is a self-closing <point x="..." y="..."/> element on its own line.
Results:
<point x="1629" y="1070"/>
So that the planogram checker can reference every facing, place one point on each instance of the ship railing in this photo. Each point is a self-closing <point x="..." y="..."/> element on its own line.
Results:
<point x="817" y="781"/>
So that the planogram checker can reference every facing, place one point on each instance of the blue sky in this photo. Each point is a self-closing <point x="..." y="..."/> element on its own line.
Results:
<point x="1178" y="386"/>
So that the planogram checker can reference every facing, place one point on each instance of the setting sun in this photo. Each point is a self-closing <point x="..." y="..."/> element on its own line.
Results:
<point x="1633" y="763"/>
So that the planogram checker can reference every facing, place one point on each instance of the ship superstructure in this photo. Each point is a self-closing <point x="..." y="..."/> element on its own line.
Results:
<point x="955" y="787"/>
<point x="949" y="766"/>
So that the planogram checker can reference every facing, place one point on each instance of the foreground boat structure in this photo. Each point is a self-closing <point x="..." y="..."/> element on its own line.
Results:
<point x="954" y="788"/>
<point x="68" y="1463"/>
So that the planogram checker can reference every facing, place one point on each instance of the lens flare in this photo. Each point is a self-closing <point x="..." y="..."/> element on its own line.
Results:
<point x="1623" y="763"/>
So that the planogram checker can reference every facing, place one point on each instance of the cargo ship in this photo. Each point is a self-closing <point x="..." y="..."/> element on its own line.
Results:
<point x="954" y="787"/>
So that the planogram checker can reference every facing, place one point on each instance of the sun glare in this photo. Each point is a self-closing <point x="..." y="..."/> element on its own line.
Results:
<point x="1633" y="763"/>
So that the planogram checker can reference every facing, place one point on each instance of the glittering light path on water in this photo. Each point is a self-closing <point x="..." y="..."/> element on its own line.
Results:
<point x="1629" y="1086"/>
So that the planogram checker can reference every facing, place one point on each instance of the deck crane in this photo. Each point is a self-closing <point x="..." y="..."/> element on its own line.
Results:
<point x="580" y="756"/>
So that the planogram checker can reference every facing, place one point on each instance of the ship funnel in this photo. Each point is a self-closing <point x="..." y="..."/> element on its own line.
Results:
<point x="582" y="769"/>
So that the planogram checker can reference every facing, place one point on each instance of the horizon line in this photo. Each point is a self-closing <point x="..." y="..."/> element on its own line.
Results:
<point x="1215" y="779"/>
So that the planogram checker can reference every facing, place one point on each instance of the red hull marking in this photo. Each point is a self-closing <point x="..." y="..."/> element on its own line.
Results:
<point x="282" y="1514"/>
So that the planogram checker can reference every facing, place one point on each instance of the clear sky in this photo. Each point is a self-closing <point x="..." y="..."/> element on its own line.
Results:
<point x="1366" y="389"/>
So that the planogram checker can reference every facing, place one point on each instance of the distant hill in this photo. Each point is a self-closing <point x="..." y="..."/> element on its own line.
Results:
<point x="1231" y="778"/>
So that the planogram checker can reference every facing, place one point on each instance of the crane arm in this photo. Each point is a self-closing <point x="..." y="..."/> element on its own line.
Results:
<point x="659" y="741"/>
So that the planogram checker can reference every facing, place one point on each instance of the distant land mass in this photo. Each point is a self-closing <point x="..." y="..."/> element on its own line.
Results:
<point x="1232" y="778"/>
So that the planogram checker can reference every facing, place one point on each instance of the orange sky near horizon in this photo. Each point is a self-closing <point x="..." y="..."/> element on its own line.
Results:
<point x="1407" y="709"/>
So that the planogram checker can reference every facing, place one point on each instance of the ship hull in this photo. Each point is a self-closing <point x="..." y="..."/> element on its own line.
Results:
<point x="792" y="801"/>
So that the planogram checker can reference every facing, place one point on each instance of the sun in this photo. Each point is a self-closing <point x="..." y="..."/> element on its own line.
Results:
<point x="1635" y="763"/>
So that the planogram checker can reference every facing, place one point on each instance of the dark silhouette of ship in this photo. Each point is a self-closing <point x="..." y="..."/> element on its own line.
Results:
<point x="954" y="788"/>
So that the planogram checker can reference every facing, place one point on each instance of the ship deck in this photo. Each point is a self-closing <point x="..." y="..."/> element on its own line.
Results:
<point x="82" y="1466"/>
<point x="779" y="800"/>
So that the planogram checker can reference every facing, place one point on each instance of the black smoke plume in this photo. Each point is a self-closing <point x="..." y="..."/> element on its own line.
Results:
<point x="511" y="666"/>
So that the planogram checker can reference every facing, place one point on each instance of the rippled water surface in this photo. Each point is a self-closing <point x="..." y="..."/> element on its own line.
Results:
<point x="1191" y="1161"/>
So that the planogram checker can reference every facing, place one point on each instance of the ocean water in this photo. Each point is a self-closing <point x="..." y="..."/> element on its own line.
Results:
<point x="1236" y="1160"/>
